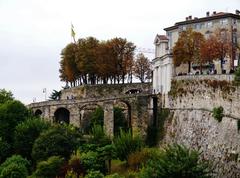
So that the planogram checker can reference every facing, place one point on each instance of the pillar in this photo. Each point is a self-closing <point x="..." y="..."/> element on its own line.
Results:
<point x="108" y="118"/>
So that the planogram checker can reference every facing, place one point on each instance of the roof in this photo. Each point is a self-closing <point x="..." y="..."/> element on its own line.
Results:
<point x="162" y="37"/>
<point x="218" y="15"/>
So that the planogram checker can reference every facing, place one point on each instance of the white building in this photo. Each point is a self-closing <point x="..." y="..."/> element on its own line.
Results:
<point x="162" y="66"/>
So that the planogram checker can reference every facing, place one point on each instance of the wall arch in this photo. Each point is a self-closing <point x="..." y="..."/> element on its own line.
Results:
<point x="62" y="115"/>
<point x="38" y="112"/>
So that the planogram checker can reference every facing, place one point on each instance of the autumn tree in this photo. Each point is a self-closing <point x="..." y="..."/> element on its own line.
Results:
<point x="68" y="67"/>
<point x="90" y="61"/>
<point x="187" y="48"/>
<point x="217" y="46"/>
<point x="142" y="68"/>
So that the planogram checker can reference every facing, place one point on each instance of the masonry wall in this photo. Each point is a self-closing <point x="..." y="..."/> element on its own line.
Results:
<point x="191" y="103"/>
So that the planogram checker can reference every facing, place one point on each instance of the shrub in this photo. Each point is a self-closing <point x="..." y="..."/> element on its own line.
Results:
<point x="218" y="113"/>
<point x="98" y="136"/>
<point x="115" y="175"/>
<point x="15" y="166"/>
<point x="92" y="161"/>
<point x="176" y="162"/>
<point x="56" y="141"/>
<point x="140" y="158"/>
<point x="49" y="168"/>
<point x="237" y="76"/>
<point x="125" y="144"/>
<point x="94" y="174"/>
<point x="26" y="133"/>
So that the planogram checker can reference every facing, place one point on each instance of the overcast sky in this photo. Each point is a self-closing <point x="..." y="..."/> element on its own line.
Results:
<point x="33" y="33"/>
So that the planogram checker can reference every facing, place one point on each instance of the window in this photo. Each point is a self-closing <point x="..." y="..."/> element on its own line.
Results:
<point x="224" y="21"/>
<point x="209" y="24"/>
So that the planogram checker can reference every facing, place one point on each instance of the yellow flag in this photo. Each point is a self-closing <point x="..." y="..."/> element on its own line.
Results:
<point x="72" y="31"/>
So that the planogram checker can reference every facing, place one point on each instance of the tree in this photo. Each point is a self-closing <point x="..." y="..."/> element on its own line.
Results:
<point x="5" y="96"/>
<point x="56" y="95"/>
<point x="217" y="46"/>
<point x="176" y="161"/>
<point x="120" y="122"/>
<point x="4" y="150"/>
<point x="49" y="168"/>
<point x="11" y="113"/>
<point x="187" y="48"/>
<point x="26" y="133"/>
<point x="15" y="166"/>
<point x="142" y="68"/>
<point x="56" y="141"/>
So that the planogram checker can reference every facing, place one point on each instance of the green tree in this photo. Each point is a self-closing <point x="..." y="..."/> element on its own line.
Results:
<point x="97" y="117"/>
<point x="5" y="96"/>
<point x="120" y="121"/>
<point x="237" y="76"/>
<point x="49" y="168"/>
<point x="55" y="95"/>
<point x="15" y="166"/>
<point x="5" y="150"/>
<point x="26" y="133"/>
<point x="125" y="144"/>
<point x="11" y="113"/>
<point x="176" y="162"/>
<point x="56" y="141"/>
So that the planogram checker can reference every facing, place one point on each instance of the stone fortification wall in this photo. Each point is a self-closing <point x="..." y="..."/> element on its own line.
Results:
<point x="100" y="91"/>
<point x="191" y="103"/>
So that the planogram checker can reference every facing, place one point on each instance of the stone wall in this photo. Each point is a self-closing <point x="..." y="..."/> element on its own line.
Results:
<point x="218" y="142"/>
<point x="100" y="91"/>
<point x="191" y="103"/>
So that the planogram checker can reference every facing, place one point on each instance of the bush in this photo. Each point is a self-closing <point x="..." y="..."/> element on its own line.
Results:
<point x="98" y="135"/>
<point x="92" y="162"/>
<point x="237" y="76"/>
<point x="125" y="144"/>
<point x="15" y="166"/>
<point x="26" y="133"/>
<point x="116" y="175"/>
<point x="140" y="158"/>
<point x="176" y="162"/>
<point x="218" y="113"/>
<point x="56" y="141"/>
<point x="94" y="174"/>
<point x="49" y="168"/>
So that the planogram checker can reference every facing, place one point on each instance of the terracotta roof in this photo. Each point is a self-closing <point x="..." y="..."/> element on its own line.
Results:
<point x="218" y="15"/>
<point x="162" y="37"/>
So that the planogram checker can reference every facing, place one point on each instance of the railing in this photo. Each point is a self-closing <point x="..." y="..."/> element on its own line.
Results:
<point x="227" y="77"/>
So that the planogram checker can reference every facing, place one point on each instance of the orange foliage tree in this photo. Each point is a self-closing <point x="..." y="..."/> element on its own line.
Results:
<point x="187" y="48"/>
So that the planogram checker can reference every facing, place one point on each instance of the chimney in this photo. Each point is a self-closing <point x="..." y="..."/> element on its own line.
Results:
<point x="214" y="12"/>
<point x="237" y="12"/>
<point x="190" y="17"/>
<point x="207" y="14"/>
<point x="186" y="18"/>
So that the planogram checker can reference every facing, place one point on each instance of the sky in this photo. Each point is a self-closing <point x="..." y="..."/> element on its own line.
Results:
<point x="33" y="33"/>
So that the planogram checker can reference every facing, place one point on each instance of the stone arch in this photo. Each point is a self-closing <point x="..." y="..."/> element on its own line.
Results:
<point x="38" y="112"/>
<point x="134" y="91"/>
<point x="126" y="107"/>
<point x="62" y="115"/>
<point x="85" y="112"/>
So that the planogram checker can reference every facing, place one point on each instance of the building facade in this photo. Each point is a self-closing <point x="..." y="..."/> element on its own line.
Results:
<point x="226" y="23"/>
